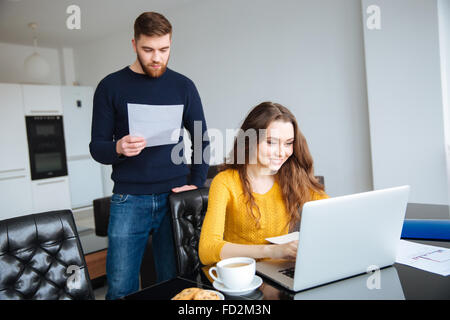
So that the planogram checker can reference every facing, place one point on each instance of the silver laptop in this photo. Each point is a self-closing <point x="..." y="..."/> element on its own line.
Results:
<point x="342" y="237"/>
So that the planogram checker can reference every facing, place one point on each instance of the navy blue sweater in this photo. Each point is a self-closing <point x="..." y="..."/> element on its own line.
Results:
<point x="152" y="171"/>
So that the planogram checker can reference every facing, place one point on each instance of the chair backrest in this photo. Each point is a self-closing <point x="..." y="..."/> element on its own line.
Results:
<point x="101" y="215"/>
<point x="41" y="258"/>
<point x="188" y="210"/>
<point x="321" y="180"/>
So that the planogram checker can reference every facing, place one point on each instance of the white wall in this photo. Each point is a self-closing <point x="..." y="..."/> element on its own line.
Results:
<point x="68" y="66"/>
<point x="12" y="58"/>
<point x="405" y="99"/>
<point x="444" y="43"/>
<point x="307" y="55"/>
<point x="94" y="60"/>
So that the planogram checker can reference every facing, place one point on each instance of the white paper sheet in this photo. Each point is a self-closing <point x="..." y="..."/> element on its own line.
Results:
<point x="429" y="258"/>
<point x="158" y="124"/>
<point x="284" y="239"/>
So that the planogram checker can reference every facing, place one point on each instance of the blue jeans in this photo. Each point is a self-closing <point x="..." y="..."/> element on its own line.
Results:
<point x="132" y="219"/>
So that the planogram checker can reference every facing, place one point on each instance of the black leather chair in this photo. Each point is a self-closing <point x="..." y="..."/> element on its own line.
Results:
<point x="188" y="211"/>
<point x="321" y="180"/>
<point x="41" y="258"/>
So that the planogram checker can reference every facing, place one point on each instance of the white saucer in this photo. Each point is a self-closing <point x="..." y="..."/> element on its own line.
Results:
<point x="256" y="282"/>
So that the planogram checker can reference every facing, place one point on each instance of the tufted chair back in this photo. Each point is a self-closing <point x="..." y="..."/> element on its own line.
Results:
<point x="188" y="211"/>
<point x="41" y="258"/>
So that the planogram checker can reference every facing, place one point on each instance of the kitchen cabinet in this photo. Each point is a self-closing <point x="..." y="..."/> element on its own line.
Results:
<point x="15" y="195"/>
<point x="13" y="137"/>
<point x="85" y="180"/>
<point x="20" y="195"/>
<point x="15" y="183"/>
<point x="51" y="194"/>
<point x="85" y="175"/>
<point x="77" y="116"/>
<point x="42" y="100"/>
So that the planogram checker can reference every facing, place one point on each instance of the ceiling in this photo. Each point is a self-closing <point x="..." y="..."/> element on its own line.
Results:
<point x="99" y="18"/>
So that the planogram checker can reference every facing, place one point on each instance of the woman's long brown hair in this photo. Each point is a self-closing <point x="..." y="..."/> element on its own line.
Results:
<point x="295" y="177"/>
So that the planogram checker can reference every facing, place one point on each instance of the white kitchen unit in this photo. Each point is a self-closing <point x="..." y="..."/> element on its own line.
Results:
<point x="19" y="195"/>
<point x="13" y="134"/>
<point x="85" y="174"/>
<point x="51" y="194"/>
<point x="15" y="183"/>
<point x="42" y="100"/>
<point x="85" y="180"/>
<point x="15" y="195"/>
<point x="77" y="115"/>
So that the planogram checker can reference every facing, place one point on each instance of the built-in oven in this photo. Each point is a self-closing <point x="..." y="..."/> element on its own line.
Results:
<point x="46" y="146"/>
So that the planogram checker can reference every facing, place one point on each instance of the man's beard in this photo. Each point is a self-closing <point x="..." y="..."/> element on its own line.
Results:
<point x="150" y="71"/>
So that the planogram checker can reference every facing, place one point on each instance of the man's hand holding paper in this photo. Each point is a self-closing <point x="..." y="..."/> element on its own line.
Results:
<point x="130" y="146"/>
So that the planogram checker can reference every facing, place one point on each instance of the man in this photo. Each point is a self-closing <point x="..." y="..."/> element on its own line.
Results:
<point x="143" y="176"/>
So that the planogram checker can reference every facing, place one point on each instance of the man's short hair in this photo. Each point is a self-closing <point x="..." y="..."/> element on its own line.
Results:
<point x="151" y="24"/>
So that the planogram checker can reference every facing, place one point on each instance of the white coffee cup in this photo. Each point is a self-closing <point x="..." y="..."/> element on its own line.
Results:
<point x="234" y="273"/>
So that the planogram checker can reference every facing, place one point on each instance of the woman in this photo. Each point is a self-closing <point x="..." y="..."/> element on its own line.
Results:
<point x="260" y="189"/>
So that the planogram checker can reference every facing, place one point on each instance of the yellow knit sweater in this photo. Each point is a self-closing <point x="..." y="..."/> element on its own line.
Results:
<point x="227" y="219"/>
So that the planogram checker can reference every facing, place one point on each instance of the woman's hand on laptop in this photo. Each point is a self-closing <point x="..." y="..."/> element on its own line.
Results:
<point x="283" y="251"/>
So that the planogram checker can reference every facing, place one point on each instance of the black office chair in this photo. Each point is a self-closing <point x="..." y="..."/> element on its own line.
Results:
<point x="188" y="210"/>
<point x="321" y="180"/>
<point x="41" y="258"/>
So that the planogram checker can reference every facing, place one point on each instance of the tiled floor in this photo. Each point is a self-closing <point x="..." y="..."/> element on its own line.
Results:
<point x="84" y="218"/>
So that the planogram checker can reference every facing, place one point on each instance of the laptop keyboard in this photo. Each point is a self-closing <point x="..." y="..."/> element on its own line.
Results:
<point x="288" y="272"/>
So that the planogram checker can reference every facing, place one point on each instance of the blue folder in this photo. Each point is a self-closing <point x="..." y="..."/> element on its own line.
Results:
<point x="426" y="229"/>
